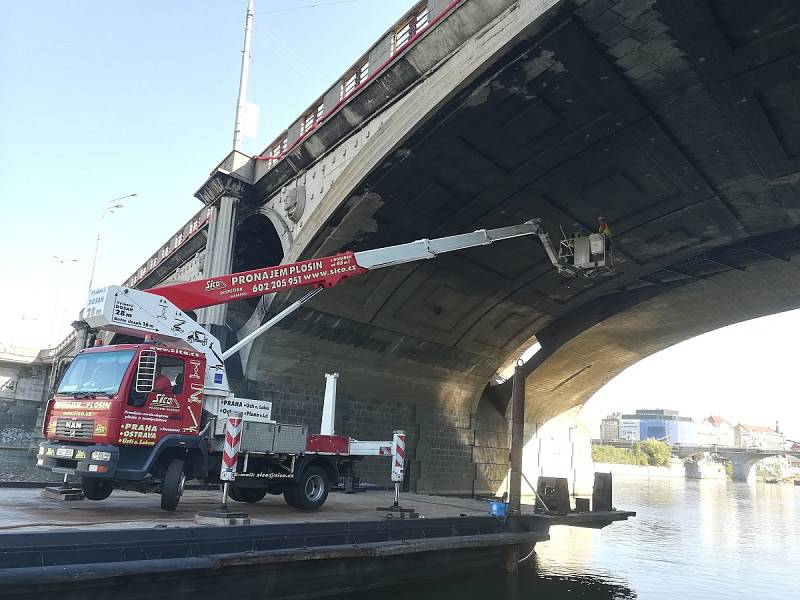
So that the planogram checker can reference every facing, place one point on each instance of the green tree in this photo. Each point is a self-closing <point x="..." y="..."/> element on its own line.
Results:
<point x="729" y="470"/>
<point x="658" y="453"/>
<point x="612" y="455"/>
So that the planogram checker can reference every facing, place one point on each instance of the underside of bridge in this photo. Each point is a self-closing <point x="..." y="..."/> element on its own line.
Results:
<point x="678" y="120"/>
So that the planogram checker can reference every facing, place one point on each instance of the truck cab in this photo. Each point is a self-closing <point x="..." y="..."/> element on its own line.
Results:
<point x="132" y="417"/>
<point x="122" y="413"/>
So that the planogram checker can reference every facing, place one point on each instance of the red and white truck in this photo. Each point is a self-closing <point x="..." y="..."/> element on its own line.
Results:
<point x="148" y="416"/>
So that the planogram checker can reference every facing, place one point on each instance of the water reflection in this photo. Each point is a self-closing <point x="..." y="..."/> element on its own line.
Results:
<point x="703" y="539"/>
<point x="529" y="584"/>
<point x="691" y="540"/>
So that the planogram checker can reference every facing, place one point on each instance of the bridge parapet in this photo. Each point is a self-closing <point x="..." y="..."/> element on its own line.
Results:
<point x="376" y="59"/>
<point x="333" y="128"/>
<point x="306" y="140"/>
<point x="180" y="247"/>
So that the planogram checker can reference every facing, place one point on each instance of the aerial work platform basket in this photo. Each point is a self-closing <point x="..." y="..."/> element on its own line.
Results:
<point x="585" y="256"/>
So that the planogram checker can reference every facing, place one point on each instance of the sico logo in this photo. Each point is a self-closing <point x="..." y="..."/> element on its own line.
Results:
<point x="164" y="401"/>
<point x="214" y="284"/>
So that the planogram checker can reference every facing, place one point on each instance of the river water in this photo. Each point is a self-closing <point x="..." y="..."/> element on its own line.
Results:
<point x="690" y="540"/>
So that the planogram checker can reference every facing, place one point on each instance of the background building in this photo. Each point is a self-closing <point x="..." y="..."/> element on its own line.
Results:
<point x="609" y="428"/>
<point x="659" y="424"/>
<point x="715" y="431"/>
<point x="628" y="429"/>
<point x="756" y="436"/>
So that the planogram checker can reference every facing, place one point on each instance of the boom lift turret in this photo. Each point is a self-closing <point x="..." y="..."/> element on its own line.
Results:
<point x="112" y="424"/>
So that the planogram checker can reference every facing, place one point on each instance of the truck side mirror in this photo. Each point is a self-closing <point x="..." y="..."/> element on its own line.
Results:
<point x="146" y="371"/>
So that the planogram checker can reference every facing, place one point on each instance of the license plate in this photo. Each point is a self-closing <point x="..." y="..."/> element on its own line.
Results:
<point x="65" y="452"/>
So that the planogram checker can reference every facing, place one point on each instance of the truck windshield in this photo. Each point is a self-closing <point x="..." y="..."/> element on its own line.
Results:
<point x="98" y="373"/>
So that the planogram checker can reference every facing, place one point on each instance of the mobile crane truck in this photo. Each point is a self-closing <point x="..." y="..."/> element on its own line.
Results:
<point x="148" y="416"/>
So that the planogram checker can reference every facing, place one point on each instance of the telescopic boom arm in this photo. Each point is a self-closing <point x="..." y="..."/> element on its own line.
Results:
<point x="160" y="312"/>
<point x="327" y="271"/>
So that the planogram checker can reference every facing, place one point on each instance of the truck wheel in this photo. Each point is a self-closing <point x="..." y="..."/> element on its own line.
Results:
<point x="172" y="485"/>
<point x="249" y="495"/>
<point x="310" y="492"/>
<point x="96" y="489"/>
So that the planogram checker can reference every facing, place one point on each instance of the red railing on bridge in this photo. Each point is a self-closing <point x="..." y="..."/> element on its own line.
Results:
<point x="181" y="237"/>
<point x="401" y="36"/>
<point x="404" y="33"/>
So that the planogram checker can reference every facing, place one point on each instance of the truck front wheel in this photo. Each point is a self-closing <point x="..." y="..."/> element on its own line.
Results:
<point x="172" y="485"/>
<point x="96" y="489"/>
<point x="310" y="492"/>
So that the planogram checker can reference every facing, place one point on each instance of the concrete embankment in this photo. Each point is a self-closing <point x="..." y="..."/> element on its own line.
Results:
<point x="674" y="471"/>
<point x="677" y="470"/>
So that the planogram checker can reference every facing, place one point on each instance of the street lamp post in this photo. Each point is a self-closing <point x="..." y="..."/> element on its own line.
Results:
<point x="109" y="207"/>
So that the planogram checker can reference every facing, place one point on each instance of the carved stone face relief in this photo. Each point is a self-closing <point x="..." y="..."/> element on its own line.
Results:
<point x="293" y="202"/>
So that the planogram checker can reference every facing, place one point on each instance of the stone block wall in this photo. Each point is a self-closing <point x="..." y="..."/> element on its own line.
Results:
<point x="449" y="449"/>
<point x="17" y="422"/>
<point x="490" y="450"/>
<point x="20" y="401"/>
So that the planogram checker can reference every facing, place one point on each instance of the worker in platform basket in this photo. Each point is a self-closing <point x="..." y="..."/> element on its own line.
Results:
<point x="605" y="231"/>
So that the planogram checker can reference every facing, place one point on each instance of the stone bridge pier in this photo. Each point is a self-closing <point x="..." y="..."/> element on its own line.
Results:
<point x="744" y="462"/>
<point x="744" y="468"/>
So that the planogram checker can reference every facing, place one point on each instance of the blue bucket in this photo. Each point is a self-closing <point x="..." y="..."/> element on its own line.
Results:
<point x="497" y="508"/>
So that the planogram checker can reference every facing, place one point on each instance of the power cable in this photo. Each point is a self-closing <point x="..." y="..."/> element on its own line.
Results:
<point x="306" y="6"/>
<point x="288" y="60"/>
<point x="303" y="62"/>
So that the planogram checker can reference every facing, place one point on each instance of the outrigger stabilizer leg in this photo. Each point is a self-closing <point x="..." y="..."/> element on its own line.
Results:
<point x="398" y="473"/>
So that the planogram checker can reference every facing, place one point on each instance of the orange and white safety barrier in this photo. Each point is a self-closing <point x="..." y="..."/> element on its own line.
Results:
<point x="233" y="439"/>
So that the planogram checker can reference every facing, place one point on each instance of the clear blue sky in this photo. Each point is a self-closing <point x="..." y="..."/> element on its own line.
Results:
<point x="101" y="99"/>
<point x="105" y="98"/>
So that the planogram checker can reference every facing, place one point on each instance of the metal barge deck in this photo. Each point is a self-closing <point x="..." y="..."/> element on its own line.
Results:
<point x="126" y="547"/>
